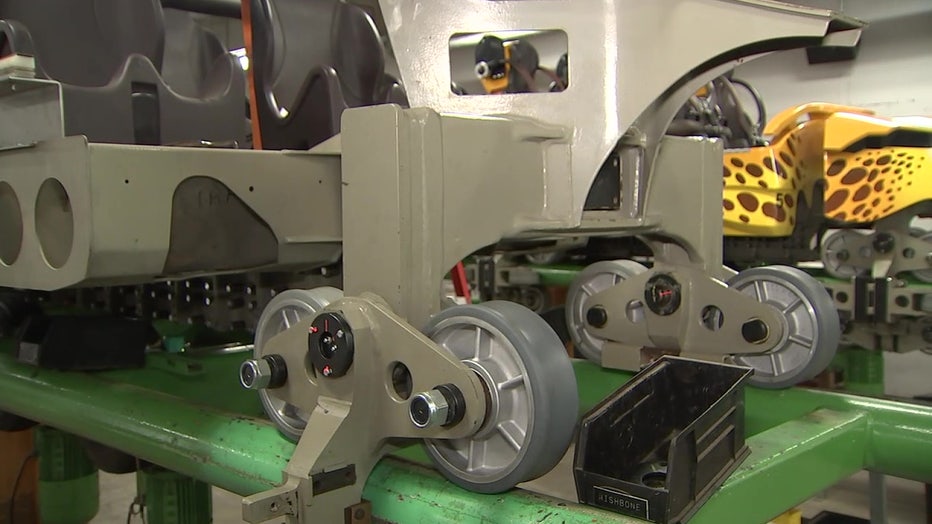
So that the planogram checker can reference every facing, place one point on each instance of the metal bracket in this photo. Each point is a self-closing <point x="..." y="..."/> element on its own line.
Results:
<point x="31" y="107"/>
<point x="353" y="416"/>
<point x="880" y="300"/>
<point x="682" y="325"/>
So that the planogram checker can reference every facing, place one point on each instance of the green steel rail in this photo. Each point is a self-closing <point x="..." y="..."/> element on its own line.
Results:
<point x="195" y="420"/>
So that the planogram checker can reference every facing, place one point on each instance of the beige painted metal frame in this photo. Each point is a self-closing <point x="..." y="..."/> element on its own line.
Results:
<point x="354" y="417"/>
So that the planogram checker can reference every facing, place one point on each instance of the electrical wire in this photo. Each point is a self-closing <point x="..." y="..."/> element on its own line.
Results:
<point x="526" y="75"/>
<point x="758" y="100"/>
<point x="137" y="507"/>
<point x="753" y="131"/>
<point x="19" y="478"/>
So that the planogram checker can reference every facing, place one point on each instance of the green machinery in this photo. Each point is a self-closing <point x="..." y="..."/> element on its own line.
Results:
<point x="802" y="441"/>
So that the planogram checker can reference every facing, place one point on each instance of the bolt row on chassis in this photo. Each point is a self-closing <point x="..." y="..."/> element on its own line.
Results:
<point x="394" y="196"/>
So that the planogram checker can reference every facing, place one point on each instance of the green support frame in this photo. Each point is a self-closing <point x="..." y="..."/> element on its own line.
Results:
<point x="203" y="425"/>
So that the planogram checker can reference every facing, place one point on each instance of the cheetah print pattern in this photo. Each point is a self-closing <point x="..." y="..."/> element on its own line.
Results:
<point x="764" y="185"/>
<point x="874" y="183"/>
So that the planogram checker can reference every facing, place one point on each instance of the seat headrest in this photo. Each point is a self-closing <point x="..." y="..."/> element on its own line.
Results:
<point x="86" y="42"/>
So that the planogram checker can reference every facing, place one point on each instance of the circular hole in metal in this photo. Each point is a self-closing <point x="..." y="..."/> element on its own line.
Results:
<point x="841" y="297"/>
<point x="635" y="311"/>
<point x="901" y="301"/>
<point x="11" y="225"/>
<point x="909" y="252"/>
<point x="712" y="318"/>
<point x="654" y="479"/>
<point x="54" y="223"/>
<point x="401" y="381"/>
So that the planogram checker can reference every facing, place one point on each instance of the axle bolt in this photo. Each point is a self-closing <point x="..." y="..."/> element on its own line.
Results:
<point x="261" y="373"/>
<point x="755" y="331"/>
<point x="596" y="316"/>
<point x="884" y="242"/>
<point x="442" y="406"/>
<point x="428" y="409"/>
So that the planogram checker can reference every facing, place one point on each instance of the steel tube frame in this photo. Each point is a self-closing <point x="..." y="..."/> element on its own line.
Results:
<point x="802" y="441"/>
<point x="236" y="452"/>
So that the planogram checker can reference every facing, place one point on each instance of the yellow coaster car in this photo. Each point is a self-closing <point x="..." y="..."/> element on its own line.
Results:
<point x="830" y="166"/>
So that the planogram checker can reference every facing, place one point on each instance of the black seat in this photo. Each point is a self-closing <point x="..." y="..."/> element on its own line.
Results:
<point x="196" y="65"/>
<point x="314" y="59"/>
<point x="108" y="56"/>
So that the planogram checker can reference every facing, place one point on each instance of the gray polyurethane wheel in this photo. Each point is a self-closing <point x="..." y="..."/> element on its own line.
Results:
<point x="925" y="275"/>
<point x="812" y="332"/>
<point x="532" y="393"/>
<point x="594" y="279"/>
<point x="836" y="252"/>
<point x="283" y="311"/>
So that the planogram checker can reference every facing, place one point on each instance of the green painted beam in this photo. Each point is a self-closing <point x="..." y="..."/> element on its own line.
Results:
<point x="411" y="493"/>
<point x="235" y="452"/>
<point x="802" y="441"/>
<point x="557" y="275"/>
<point x="790" y="463"/>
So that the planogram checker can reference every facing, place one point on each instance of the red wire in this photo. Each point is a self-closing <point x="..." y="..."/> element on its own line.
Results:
<point x="460" y="284"/>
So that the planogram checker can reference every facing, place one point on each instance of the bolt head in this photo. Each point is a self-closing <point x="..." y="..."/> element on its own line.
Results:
<point x="255" y="374"/>
<point x="428" y="409"/>
<point x="884" y="242"/>
<point x="755" y="331"/>
<point x="597" y="316"/>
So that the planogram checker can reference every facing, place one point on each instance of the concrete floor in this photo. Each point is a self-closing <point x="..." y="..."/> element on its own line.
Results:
<point x="118" y="491"/>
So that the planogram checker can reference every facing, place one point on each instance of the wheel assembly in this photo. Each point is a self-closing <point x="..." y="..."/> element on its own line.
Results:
<point x="532" y="397"/>
<point x="594" y="279"/>
<point x="841" y="255"/>
<point x="925" y="275"/>
<point x="850" y="253"/>
<point x="812" y="327"/>
<point x="283" y="311"/>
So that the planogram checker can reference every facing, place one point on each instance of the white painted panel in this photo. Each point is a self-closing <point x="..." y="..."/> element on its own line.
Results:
<point x="892" y="74"/>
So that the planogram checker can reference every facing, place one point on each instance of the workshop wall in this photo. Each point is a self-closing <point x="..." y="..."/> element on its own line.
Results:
<point x="892" y="74"/>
